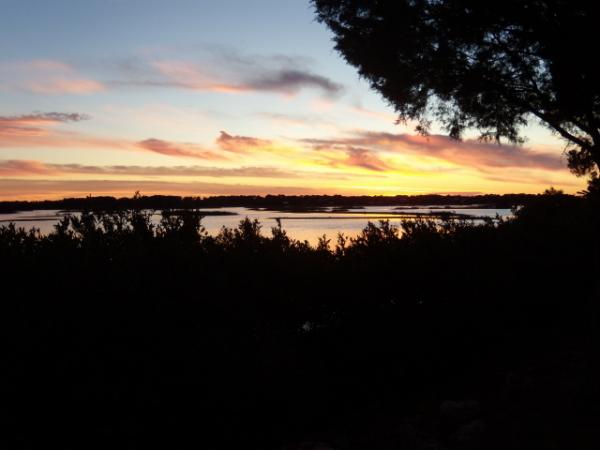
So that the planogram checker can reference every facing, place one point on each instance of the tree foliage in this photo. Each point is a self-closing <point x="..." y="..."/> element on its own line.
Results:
<point x="490" y="66"/>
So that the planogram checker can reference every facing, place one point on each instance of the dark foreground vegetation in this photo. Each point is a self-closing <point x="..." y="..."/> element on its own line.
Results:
<point x="121" y="334"/>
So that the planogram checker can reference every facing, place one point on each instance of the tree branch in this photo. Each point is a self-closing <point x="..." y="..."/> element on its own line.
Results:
<point x="561" y="130"/>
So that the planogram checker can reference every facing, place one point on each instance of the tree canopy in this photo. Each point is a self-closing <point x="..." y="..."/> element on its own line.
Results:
<point x="488" y="66"/>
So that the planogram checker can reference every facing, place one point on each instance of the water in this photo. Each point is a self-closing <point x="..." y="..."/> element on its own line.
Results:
<point x="307" y="226"/>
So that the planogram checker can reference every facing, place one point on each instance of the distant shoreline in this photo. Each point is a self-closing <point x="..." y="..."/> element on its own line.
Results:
<point x="281" y="203"/>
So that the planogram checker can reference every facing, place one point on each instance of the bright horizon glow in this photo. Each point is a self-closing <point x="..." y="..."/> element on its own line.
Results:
<point x="111" y="97"/>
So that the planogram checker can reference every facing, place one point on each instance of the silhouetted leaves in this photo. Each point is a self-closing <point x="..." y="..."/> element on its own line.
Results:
<point x="489" y="66"/>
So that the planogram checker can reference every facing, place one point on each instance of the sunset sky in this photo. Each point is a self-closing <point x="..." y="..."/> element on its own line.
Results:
<point x="195" y="97"/>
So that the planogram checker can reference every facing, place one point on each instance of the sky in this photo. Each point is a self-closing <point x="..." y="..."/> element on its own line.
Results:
<point x="200" y="98"/>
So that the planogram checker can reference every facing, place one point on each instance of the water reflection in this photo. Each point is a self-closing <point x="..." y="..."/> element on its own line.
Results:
<point x="307" y="226"/>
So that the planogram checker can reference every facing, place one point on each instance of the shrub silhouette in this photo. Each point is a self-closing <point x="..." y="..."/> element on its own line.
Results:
<point x="155" y="333"/>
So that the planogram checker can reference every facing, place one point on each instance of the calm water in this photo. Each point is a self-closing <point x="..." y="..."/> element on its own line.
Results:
<point x="303" y="226"/>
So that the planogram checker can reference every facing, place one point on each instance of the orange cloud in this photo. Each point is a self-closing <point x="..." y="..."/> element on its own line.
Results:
<point x="335" y="155"/>
<point x="36" y="169"/>
<point x="15" y="189"/>
<point x="371" y="157"/>
<point x="525" y="177"/>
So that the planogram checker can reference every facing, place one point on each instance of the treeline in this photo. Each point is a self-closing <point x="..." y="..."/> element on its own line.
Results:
<point x="280" y="202"/>
<point x="437" y="335"/>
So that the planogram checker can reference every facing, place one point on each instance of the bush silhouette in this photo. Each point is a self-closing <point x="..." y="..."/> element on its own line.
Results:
<point x="117" y="327"/>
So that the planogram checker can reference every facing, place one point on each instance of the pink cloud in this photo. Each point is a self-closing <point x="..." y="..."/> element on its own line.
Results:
<point x="360" y="157"/>
<point x="247" y="77"/>
<point x="24" y="168"/>
<point x="64" y="86"/>
<point x="47" y="77"/>
<point x="35" y="123"/>
<point x="37" y="130"/>
<point x="178" y="149"/>
<point x="17" y="168"/>
<point x="237" y="144"/>
<point x="468" y="153"/>
<point x="385" y="116"/>
<point x="190" y="76"/>
<point x="341" y="156"/>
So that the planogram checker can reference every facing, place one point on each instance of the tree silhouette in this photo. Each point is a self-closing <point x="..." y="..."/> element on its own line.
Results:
<point x="489" y="66"/>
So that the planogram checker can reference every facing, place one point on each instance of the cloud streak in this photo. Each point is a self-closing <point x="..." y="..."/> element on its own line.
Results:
<point x="19" y="168"/>
<point x="178" y="149"/>
<point x="240" y="144"/>
<point x="291" y="81"/>
<point x="212" y="70"/>
<point x="375" y="158"/>
<point x="41" y="130"/>
<point x="14" y="189"/>
<point x="186" y="75"/>
<point x="468" y="153"/>
<point x="228" y="71"/>
<point x="37" y="130"/>
<point x="35" y="123"/>
<point x="24" y="168"/>
<point x="46" y="77"/>
<point x="380" y="115"/>
<point x="361" y="157"/>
